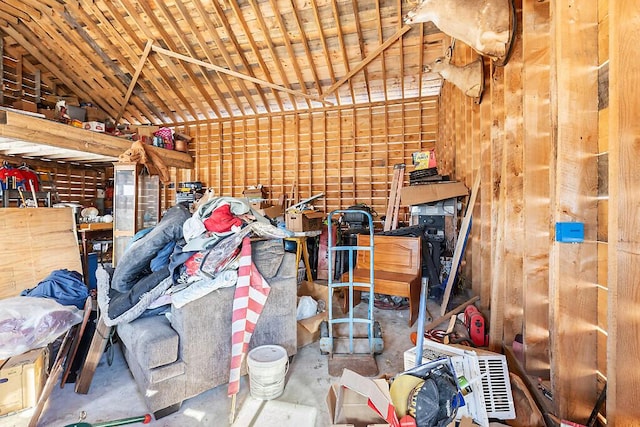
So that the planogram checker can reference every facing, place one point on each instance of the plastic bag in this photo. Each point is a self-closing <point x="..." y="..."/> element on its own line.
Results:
<point x="29" y="322"/>
<point x="307" y="307"/>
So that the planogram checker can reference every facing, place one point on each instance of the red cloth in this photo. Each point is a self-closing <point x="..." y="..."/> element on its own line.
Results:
<point x="221" y="220"/>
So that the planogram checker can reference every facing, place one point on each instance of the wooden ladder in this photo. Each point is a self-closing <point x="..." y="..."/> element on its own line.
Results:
<point x="393" y="208"/>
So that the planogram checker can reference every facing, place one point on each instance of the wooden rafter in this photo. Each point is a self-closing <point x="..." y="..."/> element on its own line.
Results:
<point x="112" y="74"/>
<point x="28" y="40"/>
<point x="8" y="19"/>
<point x="356" y="18"/>
<point x="187" y="85"/>
<point x="272" y="51"/>
<point x="144" y="104"/>
<point x="184" y="41"/>
<point x="150" y="86"/>
<point x="381" y="40"/>
<point x="236" y="45"/>
<point x="134" y="79"/>
<point x="292" y="55"/>
<point x="19" y="12"/>
<point x="254" y="48"/>
<point x="421" y="60"/>
<point x="401" y="49"/>
<point x="325" y="49"/>
<point x="213" y="32"/>
<point x="73" y="66"/>
<point x="236" y="74"/>
<point x="368" y="59"/>
<point x="343" y="50"/>
<point x="305" y="45"/>
<point x="133" y="33"/>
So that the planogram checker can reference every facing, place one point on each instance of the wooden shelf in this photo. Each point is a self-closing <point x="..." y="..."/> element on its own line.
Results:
<point x="35" y="134"/>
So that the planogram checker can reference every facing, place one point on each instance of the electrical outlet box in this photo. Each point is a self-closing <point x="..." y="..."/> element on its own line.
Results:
<point x="570" y="232"/>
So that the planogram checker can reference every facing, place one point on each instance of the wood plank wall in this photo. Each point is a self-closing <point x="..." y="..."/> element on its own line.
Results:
<point x="74" y="183"/>
<point x="623" y="344"/>
<point x="603" y="195"/>
<point x="551" y="152"/>
<point x="346" y="153"/>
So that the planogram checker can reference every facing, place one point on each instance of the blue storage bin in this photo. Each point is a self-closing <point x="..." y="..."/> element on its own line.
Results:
<point x="92" y="266"/>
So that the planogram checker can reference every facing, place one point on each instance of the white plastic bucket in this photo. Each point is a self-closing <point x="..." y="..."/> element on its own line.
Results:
<point x="267" y="366"/>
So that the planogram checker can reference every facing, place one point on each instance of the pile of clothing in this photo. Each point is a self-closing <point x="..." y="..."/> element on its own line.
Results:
<point x="184" y="257"/>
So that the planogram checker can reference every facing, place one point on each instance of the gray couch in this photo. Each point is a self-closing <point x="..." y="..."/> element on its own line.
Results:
<point x="173" y="360"/>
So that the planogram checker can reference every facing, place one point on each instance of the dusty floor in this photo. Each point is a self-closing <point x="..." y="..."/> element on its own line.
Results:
<point x="114" y="395"/>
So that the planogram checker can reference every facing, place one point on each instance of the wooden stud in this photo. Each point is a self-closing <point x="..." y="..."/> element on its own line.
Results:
<point x="537" y="148"/>
<point x="573" y="268"/>
<point x="623" y="340"/>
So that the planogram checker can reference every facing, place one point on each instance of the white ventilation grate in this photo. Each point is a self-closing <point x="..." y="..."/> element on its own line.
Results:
<point x="495" y="390"/>
<point x="497" y="387"/>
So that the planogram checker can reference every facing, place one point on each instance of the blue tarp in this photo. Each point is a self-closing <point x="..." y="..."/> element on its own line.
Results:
<point x="64" y="286"/>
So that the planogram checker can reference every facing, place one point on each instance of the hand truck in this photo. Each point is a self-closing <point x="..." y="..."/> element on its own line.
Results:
<point x="350" y="352"/>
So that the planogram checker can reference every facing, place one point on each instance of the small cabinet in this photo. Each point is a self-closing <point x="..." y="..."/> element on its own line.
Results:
<point x="136" y="204"/>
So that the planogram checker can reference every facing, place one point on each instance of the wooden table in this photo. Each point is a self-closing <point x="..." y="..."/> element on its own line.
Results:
<point x="98" y="232"/>
<point x="301" y="249"/>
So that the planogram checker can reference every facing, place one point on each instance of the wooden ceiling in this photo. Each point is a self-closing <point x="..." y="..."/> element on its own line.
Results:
<point x="174" y="62"/>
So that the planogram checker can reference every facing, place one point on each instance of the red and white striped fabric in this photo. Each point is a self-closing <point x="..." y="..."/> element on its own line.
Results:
<point x="249" y="299"/>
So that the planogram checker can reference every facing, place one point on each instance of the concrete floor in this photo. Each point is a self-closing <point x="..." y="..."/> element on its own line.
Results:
<point x="114" y="395"/>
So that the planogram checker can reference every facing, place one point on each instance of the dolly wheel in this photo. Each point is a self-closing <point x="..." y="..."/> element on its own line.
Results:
<point x="324" y="333"/>
<point x="378" y="343"/>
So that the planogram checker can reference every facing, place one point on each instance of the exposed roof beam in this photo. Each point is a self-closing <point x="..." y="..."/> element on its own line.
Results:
<point x="368" y="59"/>
<point x="143" y="29"/>
<point x="238" y="75"/>
<point x="354" y="4"/>
<point x="272" y="49"/>
<point x="181" y="37"/>
<point x="380" y="40"/>
<point x="187" y="85"/>
<point x="325" y="49"/>
<point x="142" y="103"/>
<point x="152" y="86"/>
<point x="227" y="27"/>
<point x="305" y="44"/>
<point x="134" y="79"/>
<point x="401" y="51"/>
<point x="254" y="46"/>
<point x="287" y="43"/>
<point x="213" y="32"/>
<point x="343" y="49"/>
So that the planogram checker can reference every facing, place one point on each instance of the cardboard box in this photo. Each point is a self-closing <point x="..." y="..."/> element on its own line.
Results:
<point x="424" y="159"/>
<point x="304" y="221"/>
<point x="145" y="130"/>
<point x="49" y="114"/>
<point x="360" y="402"/>
<point x="255" y="194"/>
<point x="95" y="114"/>
<point x="272" y="211"/>
<point x="260" y="205"/>
<point x="426" y="193"/>
<point x="93" y="126"/>
<point x="25" y="106"/>
<point x="308" y="330"/>
<point x="22" y="379"/>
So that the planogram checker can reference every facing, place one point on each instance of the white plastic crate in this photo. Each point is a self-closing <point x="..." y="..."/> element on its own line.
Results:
<point x="491" y="395"/>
